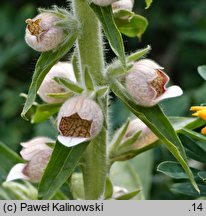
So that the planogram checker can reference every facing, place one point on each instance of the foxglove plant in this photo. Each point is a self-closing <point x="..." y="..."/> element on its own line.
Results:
<point x="82" y="121"/>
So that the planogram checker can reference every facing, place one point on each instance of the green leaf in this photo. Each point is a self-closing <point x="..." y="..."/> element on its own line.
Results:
<point x="148" y="3"/>
<point x="101" y="92"/>
<point x="133" y="26"/>
<point x="202" y="71"/>
<point x="131" y="140"/>
<point x="202" y="175"/>
<point x="9" y="158"/>
<point x="88" y="80"/>
<point x="76" y="66"/>
<point x="174" y="170"/>
<point x="61" y="165"/>
<point x="112" y="33"/>
<point x="193" y="134"/>
<point x="180" y="122"/>
<point x="69" y="84"/>
<point x="138" y="54"/>
<point x="108" y="189"/>
<point x="62" y="95"/>
<point x="187" y="189"/>
<point x="193" y="149"/>
<point x="44" y="112"/>
<point x="156" y="120"/>
<point x="128" y="196"/>
<point x="43" y="65"/>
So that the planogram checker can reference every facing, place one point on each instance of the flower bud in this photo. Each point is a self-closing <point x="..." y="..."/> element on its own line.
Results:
<point x="123" y="5"/>
<point x="48" y="86"/>
<point x="119" y="191"/>
<point x="42" y="34"/>
<point x="37" y="154"/>
<point x="79" y="119"/>
<point x="103" y="2"/>
<point x="146" y="137"/>
<point x="146" y="83"/>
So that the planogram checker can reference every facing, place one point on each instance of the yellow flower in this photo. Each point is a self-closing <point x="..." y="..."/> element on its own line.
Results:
<point x="200" y="111"/>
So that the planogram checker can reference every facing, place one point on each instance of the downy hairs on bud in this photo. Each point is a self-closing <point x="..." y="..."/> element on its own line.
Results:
<point x="42" y="34"/>
<point x="37" y="154"/>
<point x="146" y="83"/>
<point x="103" y="2"/>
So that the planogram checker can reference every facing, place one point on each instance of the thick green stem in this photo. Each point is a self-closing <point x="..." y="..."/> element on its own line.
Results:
<point x="89" y="42"/>
<point x="90" y="51"/>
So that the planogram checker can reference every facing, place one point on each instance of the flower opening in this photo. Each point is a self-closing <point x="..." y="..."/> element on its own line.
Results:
<point x="79" y="119"/>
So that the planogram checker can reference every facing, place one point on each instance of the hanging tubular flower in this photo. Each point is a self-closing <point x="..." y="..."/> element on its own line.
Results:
<point x="146" y="137"/>
<point x="48" y="86"/>
<point x="146" y="83"/>
<point x="103" y="2"/>
<point x="79" y="119"/>
<point x="123" y="5"/>
<point x="37" y="154"/>
<point x="200" y="111"/>
<point x="42" y="34"/>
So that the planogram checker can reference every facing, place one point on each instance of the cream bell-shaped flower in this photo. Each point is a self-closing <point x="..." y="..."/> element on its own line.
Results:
<point x="42" y="34"/>
<point x="119" y="191"/>
<point x="146" y="83"/>
<point x="37" y="154"/>
<point x="123" y="5"/>
<point x="79" y="119"/>
<point x="146" y="137"/>
<point x="61" y="69"/>
<point x="103" y="2"/>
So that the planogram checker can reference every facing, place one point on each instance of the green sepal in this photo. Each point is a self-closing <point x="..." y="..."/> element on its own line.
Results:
<point x="69" y="85"/>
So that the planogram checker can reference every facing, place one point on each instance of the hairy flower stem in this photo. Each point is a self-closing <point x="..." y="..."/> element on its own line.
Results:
<point x="90" y="51"/>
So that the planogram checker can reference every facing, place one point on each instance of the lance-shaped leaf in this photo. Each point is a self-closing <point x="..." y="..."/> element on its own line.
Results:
<point x="43" y="65"/>
<point x="76" y="66"/>
<point x="69" y="84"/>
<point x="88" y="79"/>
<point x="44" y="112"/>
<point x="111" y="31"/>
<point x="61" y="165"/>
<point x="9" y="158"/>
<point x="156" y="120"/>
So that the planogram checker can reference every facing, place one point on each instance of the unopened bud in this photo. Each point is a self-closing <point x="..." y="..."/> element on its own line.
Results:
<point x="42" y="34"/>
<point x="79" y="119"/>
<point x="146" y="137"/>
<point x="37" y="154"/>
<point x="146" y="83"/>
<point x="123" y="5"/>
<point x="119" y="191"/>
<point x="103" y="2"/>
<point x="50" y="86"/>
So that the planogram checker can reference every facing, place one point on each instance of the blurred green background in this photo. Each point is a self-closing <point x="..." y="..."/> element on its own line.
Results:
<point x="177" y="34"/>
